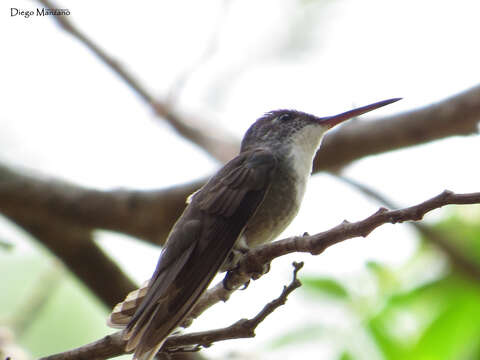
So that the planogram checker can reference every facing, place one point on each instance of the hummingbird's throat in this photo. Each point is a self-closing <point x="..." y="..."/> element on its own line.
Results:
<point x="302" y="151"/>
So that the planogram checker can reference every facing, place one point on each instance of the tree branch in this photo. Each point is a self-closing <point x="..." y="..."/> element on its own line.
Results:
<point x="244" y="328"/>
<point x="443" y="241"/>
<point x="211" y="48"/>
<point x="32" y="204"/>
<point x="75" y="247"/>
<point x="457" y="115"/>
<point x="215" y="141"/>
<point x="146" y="215"/>
<point x="112" y="345"/>
<point x="318" y="243"/>
<point x="150" y="214"/>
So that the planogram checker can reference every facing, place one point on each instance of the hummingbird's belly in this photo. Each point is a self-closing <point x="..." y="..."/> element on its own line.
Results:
<point x="279" y="208"/>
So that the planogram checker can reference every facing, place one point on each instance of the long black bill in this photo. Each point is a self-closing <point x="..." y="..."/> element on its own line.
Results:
<point x="331" y="121"/>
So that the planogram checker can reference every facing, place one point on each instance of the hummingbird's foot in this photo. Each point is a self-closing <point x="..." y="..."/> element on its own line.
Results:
<point x="227" y="280"/>
<point x="234" y="257"/>
<point x="262" y="270"/>
<point x="245" y="286"/>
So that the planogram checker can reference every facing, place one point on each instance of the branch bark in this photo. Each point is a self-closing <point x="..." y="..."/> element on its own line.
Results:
<point x="112" y="345"/>
<point x="318" y="243"/>
<point x="441" y="240"/>
<point x="33" y="205"/>
<point x="146" y="215"/>
<point x="75" y="247"/>
<point x="458" y="115"/>
<point x="454" y="116"/>
<point x="149" y="215"/>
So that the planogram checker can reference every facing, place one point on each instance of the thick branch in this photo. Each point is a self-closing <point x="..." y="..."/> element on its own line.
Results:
<point x="457" y="115"/>
<point x="150" y="215"/>
<point x="75" y="247"/>
<point x="143" y="214"/>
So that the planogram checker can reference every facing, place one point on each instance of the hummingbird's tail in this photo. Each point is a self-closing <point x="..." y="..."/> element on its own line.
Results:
<point x="149" y="355"/>
<point x="123" y="312"/>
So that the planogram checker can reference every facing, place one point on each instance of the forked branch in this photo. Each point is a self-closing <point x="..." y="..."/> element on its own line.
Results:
<point x="112" y="345"/>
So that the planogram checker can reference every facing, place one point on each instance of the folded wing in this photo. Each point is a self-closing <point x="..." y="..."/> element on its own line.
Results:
<point x="198" y="244"/>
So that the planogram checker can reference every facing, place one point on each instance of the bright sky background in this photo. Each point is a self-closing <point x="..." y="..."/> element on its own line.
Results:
<point x="64" y="114"/>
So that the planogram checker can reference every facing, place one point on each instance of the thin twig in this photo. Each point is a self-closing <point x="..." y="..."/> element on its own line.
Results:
<point x="244" y="328"/>
<point x="457" y="115"/>
<point x="113" y="345"/>
<point x="318" y="243"/>
<point x="210" y="50"/>
<point x="211" y="138"/>
<point x="149" y="215"/>
<point x="442" y="240"/>
<point x="264" y="254"/>
<point x="31" y="306"/>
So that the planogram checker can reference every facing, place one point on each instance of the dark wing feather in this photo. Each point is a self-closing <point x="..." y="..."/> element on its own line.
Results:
<point x="198" y="245"/>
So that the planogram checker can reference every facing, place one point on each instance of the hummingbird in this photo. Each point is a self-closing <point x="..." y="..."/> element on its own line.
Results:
<point x="248" y="202"/>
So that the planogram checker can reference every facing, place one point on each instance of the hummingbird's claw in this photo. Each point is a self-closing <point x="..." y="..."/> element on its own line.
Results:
<point x="262" y="270"/>
<point x="234" y="258"/>
<point x="245" y="286"/>
<point x="225" y="281"/>
<point x="266" y="268"/>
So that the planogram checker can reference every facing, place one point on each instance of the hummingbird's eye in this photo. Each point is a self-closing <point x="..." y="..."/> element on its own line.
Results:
<point x="284" y="117"/>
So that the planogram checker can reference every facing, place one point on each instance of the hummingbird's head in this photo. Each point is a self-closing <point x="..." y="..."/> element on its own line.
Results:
<point x="282" y="129"/>
<point x="279" y="128"/>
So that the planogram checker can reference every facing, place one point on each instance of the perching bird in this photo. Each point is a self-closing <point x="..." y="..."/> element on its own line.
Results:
<point x="248" y="202"/>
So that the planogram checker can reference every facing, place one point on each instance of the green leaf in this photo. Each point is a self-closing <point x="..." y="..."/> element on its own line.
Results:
<point x="346" y="356"/>
<point x="439" y="320"/>
<point x="463" y="233"/>
<point x="454" y="333"/>
<point x="305" y="333"/>
<point x="386" y="278"/>
<point x="324" y="287"/>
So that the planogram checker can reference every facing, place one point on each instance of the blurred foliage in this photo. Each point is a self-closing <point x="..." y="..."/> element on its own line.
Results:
<point x="324" y="286"/>
<point x="47" y="309"/>
<point x="305" y="334"/>
<point x="424" y="309"/>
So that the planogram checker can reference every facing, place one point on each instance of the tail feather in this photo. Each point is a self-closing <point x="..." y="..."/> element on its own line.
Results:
<point x="134" y="335"/>
<point x="123" y="312"/>
<point x="149" y="354"/>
